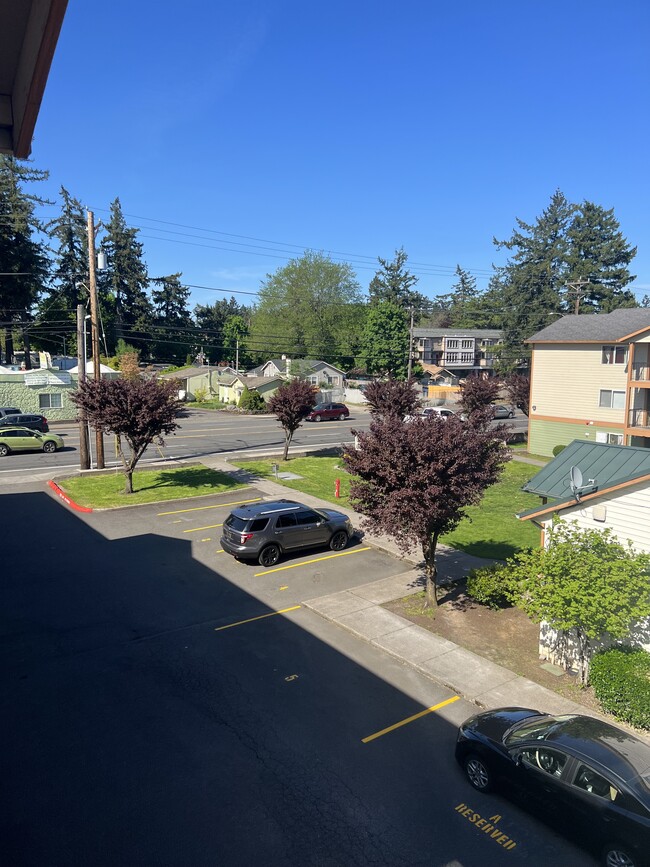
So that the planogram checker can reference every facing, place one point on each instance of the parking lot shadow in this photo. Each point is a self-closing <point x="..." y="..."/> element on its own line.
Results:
<point x="137" y="730"/>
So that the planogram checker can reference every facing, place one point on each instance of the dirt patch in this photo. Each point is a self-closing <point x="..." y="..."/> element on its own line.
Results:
<point x="506" y="637"/>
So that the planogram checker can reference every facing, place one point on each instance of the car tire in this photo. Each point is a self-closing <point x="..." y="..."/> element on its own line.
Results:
<point x="477" y="773"/>
<point x="615" y="855"/>
<point x="511" y="415"/>
<point x="339" y="541"/>
<point x="342" y="417"/>
<point x="318" y="418"/>
<point x="269" y="556"/>
<point x="49" y="447"/>
<point x="4" y="450"/>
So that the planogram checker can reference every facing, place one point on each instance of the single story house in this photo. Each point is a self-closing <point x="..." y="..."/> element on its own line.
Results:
<point x="231" y="387"/>
<point x="597" y="485"/>
<point x="321" y="374"/>
<point x="44" y="390"/>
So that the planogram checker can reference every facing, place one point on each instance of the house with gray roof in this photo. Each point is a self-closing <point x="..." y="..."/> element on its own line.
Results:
<point x="321" y="374"/>
<point x="590" y="380"/>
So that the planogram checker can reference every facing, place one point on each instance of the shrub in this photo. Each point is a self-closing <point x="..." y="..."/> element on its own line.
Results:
<point x="492" y="586"/>
<point x="251" y="401"/>
<point x="557" y="450"/>
<point x="200" y="393"/>
<point x="620" y="677"/>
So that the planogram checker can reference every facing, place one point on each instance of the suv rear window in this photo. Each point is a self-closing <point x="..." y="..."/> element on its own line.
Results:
<point x="238" y="524"/>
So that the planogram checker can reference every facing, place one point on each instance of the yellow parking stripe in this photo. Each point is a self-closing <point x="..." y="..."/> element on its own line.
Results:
<point x="261" y="617"/>
<point x="309" y="562"/>
<point x="409" y="719"/>
<point x="201" y="508"/>
<point x="196" y="529"/>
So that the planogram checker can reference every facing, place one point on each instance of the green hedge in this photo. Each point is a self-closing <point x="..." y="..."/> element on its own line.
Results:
<point x="557" y="450"/>
<point x="492" y="586"/>
<point x="620" y="678"/>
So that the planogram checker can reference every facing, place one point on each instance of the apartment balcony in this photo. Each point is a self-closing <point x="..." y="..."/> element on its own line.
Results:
<point x="640" y="371"/>
<point x="639" y="419"/>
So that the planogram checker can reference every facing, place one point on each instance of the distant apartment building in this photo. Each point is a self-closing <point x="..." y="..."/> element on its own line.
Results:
<point x="458" y="350"/>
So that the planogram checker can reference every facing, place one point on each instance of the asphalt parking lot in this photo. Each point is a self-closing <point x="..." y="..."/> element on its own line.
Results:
<point x="165" y="704"/>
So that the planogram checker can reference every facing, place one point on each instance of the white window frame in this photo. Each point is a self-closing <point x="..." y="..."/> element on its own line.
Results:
<point x="614" y="355"/>
<point x="611" y="392"/>
<point x="51" y="401"/>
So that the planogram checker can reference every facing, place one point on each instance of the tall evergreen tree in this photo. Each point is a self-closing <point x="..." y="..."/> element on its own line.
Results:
<point x="21" y="252"/>
<point x="173" y="327"/>
<point x="600" y="253"/>
<point x="463" y="303"/>
<point x="57" y="308"/>
<point x="211" y="321"/>
<point x="394" y="283"/>
<point x="123" y="285"/>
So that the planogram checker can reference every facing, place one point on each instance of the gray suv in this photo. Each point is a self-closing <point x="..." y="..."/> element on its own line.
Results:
<point x="264" y="531"/>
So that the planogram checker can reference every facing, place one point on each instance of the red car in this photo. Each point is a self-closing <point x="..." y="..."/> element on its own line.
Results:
<point x="325" y="411"/>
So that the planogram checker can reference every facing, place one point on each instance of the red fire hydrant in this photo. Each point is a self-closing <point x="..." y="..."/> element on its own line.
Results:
<point x="337" y="489"/>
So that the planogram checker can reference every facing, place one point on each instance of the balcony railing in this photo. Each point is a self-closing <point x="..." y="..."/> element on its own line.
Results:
<point x="638" y="418"/>
<point x="640" y="371"/>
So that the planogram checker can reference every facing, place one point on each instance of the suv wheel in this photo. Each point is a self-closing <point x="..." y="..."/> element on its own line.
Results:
<point x="618" y="856"/>
<point x="4" y="450"/>
<point x="342" y="417"/>
<point x="49" y="447"/>
<point x="477" y="773"/>
<point x="339" y="540"/>
<point x="318" y="418"/>
<point x="269" y="556"/>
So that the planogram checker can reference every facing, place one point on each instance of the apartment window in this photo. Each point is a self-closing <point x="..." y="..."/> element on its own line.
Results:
<point x="614" y="354"/>
<point x="451" y="358"/>
<point x="467" y="344"/>
<point x="467" y="358"/>
<point x="615" y="439"/>
<point x="612" y="399"/>
<point x="49" y="401"/>
<point x="452" y="343"/>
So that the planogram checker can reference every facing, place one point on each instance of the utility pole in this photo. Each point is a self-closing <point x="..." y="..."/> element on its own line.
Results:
<point x="94" y="329"/>
<point x="237" y="357"/>
<point x="410" y="362"/>
<point x="579" y="290"/>
<point x="84" y="452"/>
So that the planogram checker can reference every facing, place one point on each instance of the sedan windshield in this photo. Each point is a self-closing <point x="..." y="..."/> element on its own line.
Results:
<point x="536" y="729"/>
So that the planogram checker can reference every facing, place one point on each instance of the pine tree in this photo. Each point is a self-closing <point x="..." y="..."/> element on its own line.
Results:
<point x="57" y="309"/>
<point x="172" y="319"/>
<point x="211" y="321"/>
<point x="20" y="251"/>
<point x="123" y="284"/>
<point x="599" y="253"/>
<point x="394" y="283"/>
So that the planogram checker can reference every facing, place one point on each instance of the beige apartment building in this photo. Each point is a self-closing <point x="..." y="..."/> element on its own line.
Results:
<point x="590" y="380"/>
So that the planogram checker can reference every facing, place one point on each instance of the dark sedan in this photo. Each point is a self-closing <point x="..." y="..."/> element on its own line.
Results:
<point x="590" y="778"/>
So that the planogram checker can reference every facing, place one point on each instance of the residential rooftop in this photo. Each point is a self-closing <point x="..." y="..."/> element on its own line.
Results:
<point x="595" y="327"/>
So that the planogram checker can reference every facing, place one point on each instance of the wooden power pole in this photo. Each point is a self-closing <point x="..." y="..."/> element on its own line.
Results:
<point x="84" y="451"/>
<point x="579" y="290"/>
<point x="94" y="328"/>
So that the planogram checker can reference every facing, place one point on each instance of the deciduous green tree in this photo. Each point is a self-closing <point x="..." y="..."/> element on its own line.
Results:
<point x="585" y="584"/>
<point x="308" y="308"/>
<point x="385" y="340"/>
<point x="291" y="403"/>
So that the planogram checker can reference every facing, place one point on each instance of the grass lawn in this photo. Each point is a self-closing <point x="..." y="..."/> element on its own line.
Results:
<point x="319" y="476"/>
<point x="149" y="486"/>
<point x="490" y="530"/>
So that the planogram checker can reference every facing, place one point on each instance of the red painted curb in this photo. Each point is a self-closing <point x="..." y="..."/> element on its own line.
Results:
<point x="66" y="498"/>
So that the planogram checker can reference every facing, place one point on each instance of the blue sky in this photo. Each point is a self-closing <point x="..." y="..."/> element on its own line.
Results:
<point x="254" y="130"/>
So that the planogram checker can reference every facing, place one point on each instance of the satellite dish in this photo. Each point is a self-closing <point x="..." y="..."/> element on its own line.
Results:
<point x="575" y="479"/>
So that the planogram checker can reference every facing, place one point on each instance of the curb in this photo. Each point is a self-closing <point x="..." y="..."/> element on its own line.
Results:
<point x="66" y="499"/>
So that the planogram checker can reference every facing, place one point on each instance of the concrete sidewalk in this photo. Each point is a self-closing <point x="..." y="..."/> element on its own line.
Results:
<point x="359" y="610"/>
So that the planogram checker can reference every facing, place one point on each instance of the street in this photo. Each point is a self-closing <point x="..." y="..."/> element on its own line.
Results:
<point x="164" y="704"/>
<point x="201" y="433"/>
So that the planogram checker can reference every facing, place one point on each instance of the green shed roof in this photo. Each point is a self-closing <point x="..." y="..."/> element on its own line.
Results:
<point x="609" y="466"/>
